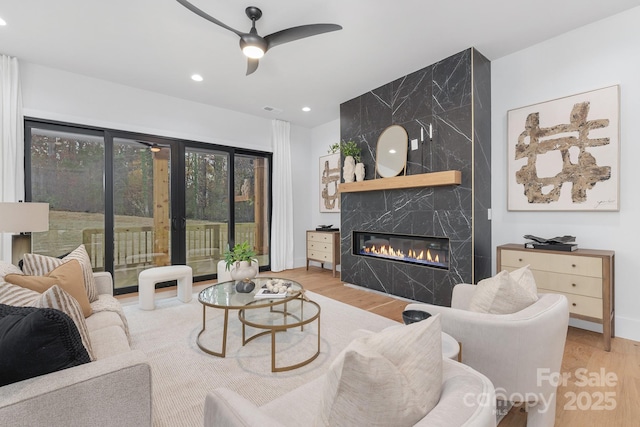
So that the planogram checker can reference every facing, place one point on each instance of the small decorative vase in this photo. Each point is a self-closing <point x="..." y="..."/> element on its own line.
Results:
<point x="359" y="172"/>
<point x="242" y="270"/>
<point x="348" y="170"/>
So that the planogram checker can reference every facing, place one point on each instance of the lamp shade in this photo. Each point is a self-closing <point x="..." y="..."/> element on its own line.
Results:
<point x="24" y="217"/>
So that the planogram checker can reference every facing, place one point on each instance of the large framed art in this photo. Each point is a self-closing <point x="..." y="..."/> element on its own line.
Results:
<point x="564" y="154"/>
<point x="329" y="180"/>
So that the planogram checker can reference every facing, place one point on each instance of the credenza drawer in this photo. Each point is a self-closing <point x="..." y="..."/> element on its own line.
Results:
<point x="566" y="264"/>
<point x="579" y="285"/>
<point x="580" y="304"/>
<point x="319" y="246"/>
<point x="320" y="237"/>
<point x="320" y="256"/>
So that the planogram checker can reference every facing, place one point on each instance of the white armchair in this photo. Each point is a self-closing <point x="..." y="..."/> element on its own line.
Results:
<point x="518" y="352"/>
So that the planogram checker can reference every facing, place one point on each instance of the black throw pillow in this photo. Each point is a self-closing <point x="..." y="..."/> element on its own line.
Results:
<point x="36" y="341"/>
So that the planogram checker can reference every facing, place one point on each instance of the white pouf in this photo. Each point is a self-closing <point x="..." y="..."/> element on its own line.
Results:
<point x="148" y="278"/>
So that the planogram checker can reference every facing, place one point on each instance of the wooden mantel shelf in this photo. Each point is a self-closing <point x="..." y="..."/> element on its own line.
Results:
<point x="433" y="179"/>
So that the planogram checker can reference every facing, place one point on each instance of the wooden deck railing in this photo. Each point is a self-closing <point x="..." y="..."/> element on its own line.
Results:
<point x="133" y="246"/>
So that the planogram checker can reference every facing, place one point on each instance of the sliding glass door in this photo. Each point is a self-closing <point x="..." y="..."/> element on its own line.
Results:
<point x="67" y="171"/>
<point x="251" y="196"/>
<point x="207" y="208"/>
<point x="142" y="208"/>
<point x="139" y="201"/>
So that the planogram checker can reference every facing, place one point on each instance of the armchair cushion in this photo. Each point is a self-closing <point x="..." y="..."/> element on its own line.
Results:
<point x="505" y="293"/>
<point x="37" y="341"/>
<point x="390" y="378"/>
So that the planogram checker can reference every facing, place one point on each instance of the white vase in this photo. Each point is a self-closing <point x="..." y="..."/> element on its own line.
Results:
<point x="348" y="170"/>
<point x="242" y="270"/>
<point x="359" y="172"/>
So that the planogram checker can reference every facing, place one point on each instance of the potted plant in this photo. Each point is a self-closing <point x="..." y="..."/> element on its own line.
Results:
<point x="352" y="165"/>
<point x="239" y="264"/>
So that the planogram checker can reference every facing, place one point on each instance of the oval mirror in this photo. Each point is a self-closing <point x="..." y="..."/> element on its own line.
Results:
<point x="391" y="151"/>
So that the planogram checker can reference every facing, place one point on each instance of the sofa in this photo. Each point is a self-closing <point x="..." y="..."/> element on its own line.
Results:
<point x="113" y="390"/>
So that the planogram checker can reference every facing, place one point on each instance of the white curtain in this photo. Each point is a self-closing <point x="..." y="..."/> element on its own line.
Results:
<point x="11" y="142"/>
<point x="282" y="209"/>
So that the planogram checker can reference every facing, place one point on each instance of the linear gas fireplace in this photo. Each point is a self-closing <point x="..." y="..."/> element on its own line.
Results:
<point x="421" y="250"/>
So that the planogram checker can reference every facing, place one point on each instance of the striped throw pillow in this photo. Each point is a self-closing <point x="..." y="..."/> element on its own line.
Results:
<point x="39" y="265"/>
<point x="6" y="268"/>
<point x="16" y="295"/>
<point x="58" y="298"/>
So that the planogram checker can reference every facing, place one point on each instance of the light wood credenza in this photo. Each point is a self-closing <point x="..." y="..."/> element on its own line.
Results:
<point x="584" y="276"/>
<point x="323" y="246"/>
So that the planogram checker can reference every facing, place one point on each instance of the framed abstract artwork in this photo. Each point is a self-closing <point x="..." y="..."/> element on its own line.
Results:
<point x="564" y="154"/>
<point x="329" y="180"/>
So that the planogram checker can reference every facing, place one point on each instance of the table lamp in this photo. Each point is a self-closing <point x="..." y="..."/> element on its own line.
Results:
<point x="23" y="218"/>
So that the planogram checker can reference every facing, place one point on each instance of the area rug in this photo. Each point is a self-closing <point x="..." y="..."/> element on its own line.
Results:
<point x="182" y="373"/>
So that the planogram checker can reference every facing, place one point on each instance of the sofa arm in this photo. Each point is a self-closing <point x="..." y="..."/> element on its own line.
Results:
<point x="115" y="391"/>
<point x="104" y="282"/>
<point x="224" y="407"/>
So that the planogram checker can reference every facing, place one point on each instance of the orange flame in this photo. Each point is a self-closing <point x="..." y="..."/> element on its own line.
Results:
<point x="393" y="253"/>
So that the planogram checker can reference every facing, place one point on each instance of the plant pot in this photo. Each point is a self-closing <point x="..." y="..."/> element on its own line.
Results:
<point x="348" y="170"/>
<point x="242" y="270"/>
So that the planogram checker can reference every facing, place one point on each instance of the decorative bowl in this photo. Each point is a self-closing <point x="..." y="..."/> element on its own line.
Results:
<point x="411" y="316"/>
<point x="245" y="286"/>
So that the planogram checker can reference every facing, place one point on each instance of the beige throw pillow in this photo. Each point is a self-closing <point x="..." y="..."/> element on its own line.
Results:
<point x="58" y="298"/>
<point x="391" y="378"/>
<point x="505" y="292"/>
<point x="39" y="265"/>
<point x="68" y="276"/>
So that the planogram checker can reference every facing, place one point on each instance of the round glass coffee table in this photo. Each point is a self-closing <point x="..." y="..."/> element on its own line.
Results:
<point x="225" y="297"/>
<point x="291" y="314"/>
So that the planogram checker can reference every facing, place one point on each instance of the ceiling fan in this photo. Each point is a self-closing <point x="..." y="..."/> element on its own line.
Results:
<point x="255" y="46"/>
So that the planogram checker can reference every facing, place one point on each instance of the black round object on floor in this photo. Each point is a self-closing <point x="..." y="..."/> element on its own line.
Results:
<point x="411" y="316"/>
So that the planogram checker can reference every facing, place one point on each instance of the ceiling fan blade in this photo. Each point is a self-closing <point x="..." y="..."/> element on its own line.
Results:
<point x="252" y="65"/>
<point x="297" y="33"/>
<point x="206" y="16"/>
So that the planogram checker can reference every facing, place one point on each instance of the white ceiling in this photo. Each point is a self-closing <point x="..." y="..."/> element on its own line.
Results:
<point x="157" y="44"/>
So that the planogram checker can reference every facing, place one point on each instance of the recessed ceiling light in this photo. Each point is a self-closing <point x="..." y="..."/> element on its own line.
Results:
<point x="2" y="22"/>
<point x="306" y="109"/>
<point x="197" y="78"/>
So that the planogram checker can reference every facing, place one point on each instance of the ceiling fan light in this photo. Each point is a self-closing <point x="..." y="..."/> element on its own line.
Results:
<point x="253" y="52"/>
<point x="253" y="45"/>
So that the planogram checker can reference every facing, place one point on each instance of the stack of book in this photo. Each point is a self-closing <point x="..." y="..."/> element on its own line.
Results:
<point x="562" y="243"/>
<point x="568" y="247"/>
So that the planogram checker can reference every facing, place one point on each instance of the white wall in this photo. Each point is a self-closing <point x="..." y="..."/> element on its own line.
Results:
<point x="59" y="95"/>
<point x="321" y="138"/>
<point x="595" y="56"/>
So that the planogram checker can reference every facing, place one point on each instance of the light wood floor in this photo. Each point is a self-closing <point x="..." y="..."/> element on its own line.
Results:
<point x="584" y="350"/>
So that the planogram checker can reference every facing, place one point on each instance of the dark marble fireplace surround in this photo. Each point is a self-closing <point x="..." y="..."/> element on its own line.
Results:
<point x="454" y="96"/>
